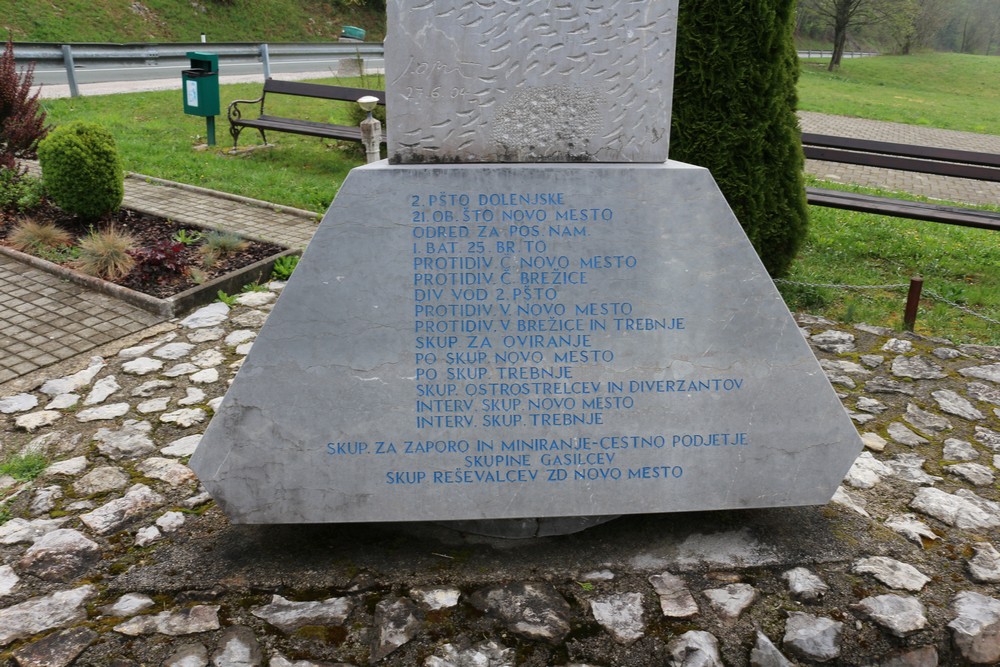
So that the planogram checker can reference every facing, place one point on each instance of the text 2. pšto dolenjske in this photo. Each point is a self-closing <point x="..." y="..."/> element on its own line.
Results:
<point x="509" y="325"/>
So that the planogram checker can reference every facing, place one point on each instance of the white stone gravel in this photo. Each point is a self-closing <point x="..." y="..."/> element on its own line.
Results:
<point x="153" y="405"/>
<point x="185" y="417"/>
<point x="211" y="315"/>
<point x="103" y="412"/>
<point x="142" y="366"/>
<point x="18" y="403"/>
<point x="102" y="390"/>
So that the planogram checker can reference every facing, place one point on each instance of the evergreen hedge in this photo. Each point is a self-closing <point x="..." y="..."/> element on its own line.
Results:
<point x="734" y="113"/>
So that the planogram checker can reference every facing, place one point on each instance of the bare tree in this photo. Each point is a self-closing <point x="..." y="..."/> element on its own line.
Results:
<point x="897" y="16"/>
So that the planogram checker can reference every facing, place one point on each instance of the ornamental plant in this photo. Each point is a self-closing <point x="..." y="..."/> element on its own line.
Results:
<point x="107" y="254"/>
<point x="82" y="170"/>
<point x="161" y="262"/>
<point x="734" y="113"/>
<point x="22" y="122"/>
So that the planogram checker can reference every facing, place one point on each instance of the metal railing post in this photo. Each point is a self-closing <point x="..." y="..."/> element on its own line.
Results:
<point x="265" y="58"/>
<point x="67" y="51"/>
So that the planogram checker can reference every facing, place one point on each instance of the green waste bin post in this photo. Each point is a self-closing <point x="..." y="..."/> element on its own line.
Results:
<point x="201" y="89"/>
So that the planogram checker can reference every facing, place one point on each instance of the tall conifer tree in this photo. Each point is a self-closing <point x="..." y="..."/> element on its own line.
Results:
<point x="734" y="113"/>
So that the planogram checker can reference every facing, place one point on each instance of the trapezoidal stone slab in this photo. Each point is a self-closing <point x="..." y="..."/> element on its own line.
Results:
<point x="493" y="342"/>
<point x="529" y="81"/>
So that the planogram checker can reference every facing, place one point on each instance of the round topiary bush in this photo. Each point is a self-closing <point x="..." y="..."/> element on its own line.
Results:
<point x="82" y="170"/>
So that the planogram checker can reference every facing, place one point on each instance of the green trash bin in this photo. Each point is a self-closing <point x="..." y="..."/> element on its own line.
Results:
<point x="201" y="84"/>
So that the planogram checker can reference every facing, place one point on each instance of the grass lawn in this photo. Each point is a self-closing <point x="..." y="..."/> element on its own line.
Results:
<point x="945" y="90"/>
<point x="847" y="248"/>
<point x="941" y="90"/>
<point x="156" y="138"/>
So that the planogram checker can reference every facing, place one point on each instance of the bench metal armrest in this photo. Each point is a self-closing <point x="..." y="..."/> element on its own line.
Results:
<point x="234" y="113"/>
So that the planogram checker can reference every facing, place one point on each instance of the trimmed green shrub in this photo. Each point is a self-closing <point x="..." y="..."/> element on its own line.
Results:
<point x="82" y="170"/>
<point x="734" y="113"/>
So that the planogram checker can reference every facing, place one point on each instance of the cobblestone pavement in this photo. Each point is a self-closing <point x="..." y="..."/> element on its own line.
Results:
<point x="46" y="320"/>
<point x="114" y="555"/>
<point x="960" y="190"/>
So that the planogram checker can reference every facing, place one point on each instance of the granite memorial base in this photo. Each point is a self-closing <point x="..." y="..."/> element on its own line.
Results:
<point x="489" y="342"/>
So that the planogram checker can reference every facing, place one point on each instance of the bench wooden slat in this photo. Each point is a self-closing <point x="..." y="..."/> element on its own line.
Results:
<point x="902" y="150"/>
<point x="901" y="208"/>
<point x="975" y="172"/>
<point x="321" y="91"/>
<point x="265" y="122"/>
<point x="306" y="127"/>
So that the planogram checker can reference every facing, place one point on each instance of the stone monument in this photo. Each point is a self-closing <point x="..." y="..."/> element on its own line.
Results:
<point x="526" y="313"/>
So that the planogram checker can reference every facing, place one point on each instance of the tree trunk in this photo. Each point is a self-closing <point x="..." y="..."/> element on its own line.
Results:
<point x="839" y="44"/>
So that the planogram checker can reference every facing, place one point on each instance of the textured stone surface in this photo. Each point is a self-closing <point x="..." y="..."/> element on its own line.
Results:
<point x="959" y="450"/>
<point x="676" y="600"/>
<point x="892" y="573"/>
<point x="58" y="610"/>
<point x="8" y="580"/>
<point x="976" y="627"/>
<point x="954" y="510"/>
<point x="928" y="422"/>
<point x="917" y="368"/>
<point x="621" y="615"/>
<point x="18" y="403"/>
<point x="984" y="567"/>
<point x="905" y="436"/>
<point x="101" y="480"/>
<point x="766" y="654"/>
<point x="289" y="616"/>
<point x="130" y="441"/>
<point x="56" y="650"/>
<point x="804" y="585"/>
<point x="900" y="615"/>
<point x="396" y="623"/>
<point x="529" y="83"/>
<point x="199" y="618"/>
<point x="695" y="648"/>
<point x="208" y="316"/>
<point x="102" y="412"/>
<point x="238" y="647"/>
<point x="730" y="601"/>
<point x="114" y="515"/>
<point x="60" y="555"/>
<point x="989" y="372"/>
<point x="912" y="528"/>
<point x="532" y="610"/>
<point x="812" y="637"/>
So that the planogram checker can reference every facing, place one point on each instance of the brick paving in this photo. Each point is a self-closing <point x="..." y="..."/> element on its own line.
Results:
<point x="961" y="190"/>
<point x="45" y="320"/>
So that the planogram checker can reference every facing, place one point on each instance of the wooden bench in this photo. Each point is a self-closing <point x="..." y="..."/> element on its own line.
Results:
<point x="919" y="159"/>
<point x="264" y="122"/>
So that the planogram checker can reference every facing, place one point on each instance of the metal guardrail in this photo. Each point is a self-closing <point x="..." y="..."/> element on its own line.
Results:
<point x="829" y="54"/>
<point x="93" y="55"/>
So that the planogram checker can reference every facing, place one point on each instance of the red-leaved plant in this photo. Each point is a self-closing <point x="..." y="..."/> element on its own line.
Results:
<point x="22" y="122"/>
<point x="162" y="262"/>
